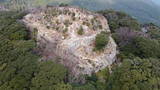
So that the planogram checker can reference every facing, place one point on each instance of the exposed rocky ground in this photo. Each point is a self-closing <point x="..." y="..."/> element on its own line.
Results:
<point x="69" y="33"/>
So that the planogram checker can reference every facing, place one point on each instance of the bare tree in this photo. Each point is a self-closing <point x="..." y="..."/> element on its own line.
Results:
<point x="125" y="35"/>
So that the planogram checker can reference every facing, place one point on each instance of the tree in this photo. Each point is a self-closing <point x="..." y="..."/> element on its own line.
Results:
<point x="101" y="41"/>
<point x="124" y="35"/>
<point x="152" y="30"/>
<point x="49" y="75"/>
<point x="17" y="62"/>
<point x="80" y="31"/>
<point x="120" y="19"/>
<point x="135" y="74"/>
<point x="142" y="47"/>
<point x="87" y="86"/>
<point x="62" y="86"/>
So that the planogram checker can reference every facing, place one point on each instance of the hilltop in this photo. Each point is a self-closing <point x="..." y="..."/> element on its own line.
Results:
<point x="70" y="33"/>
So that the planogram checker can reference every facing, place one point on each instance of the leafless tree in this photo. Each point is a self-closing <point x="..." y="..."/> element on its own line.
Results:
<point x="125" y="35"/>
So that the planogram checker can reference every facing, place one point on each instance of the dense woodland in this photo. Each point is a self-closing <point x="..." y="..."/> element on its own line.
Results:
<point x="137" y="67"/>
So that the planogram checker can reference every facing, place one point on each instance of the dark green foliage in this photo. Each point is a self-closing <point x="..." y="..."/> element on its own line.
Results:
<point x="19" y="66"/>
<point x="10" y="28"/>
<point x="143" y="47"/>
<point x="153" y="31"/>
<point x="67" y="23"/>
<point x="73" y="15"/>
<point x="49" y="75"/>
<point x="101" y="41"/>
<point x="135" y="74"/>
<point x="80" y="31"/>
<point x="17" y="62"/>
<point x="87" y="86"/>
<point x="120" y="19"/>
<point x="103" y="75"/>
<point x="48" y="27"/>
<point x="148" y="47"/>
<point x="33" y="34"/>
<point x="129" y="37"/>
<point x="63" y="5"/>
<point x="155" y="34"/>
<point x="62" y="86"/>
<point x="21" y="70"/>
<point x="97" y="81"/>
<point x="65" y="30"/>
<point x="100" y="79"/>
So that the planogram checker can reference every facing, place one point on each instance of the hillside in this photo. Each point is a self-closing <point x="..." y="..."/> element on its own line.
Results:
<point x="24" y="67"/>
<point x="144" y="11"/>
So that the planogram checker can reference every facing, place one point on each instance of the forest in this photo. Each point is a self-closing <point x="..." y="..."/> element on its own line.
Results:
<point x="137" y="67"/>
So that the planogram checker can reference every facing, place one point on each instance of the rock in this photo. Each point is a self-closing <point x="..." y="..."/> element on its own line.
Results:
<point x="74" y="51"/>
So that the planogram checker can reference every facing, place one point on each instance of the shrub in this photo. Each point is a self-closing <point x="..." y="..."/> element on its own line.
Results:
<point x="147" y="47"/>
<point x="153" y="31"/>
<point x="100" y="26"/>
<point x="135" y="74"/>
<point x="65" y="30"/>
<point x="67" y="23"/>
<point x="73" y="14"/>
<point x="48" y="27"/>
<point x="19" y="35"/>
<point x="34" y="34"/>
<point x="80" y="31"/>
<point x="143" y="47"/>
<point x="63" y="5"/>
<point x="74" y="18"/>
<point x="101" y="41"/>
